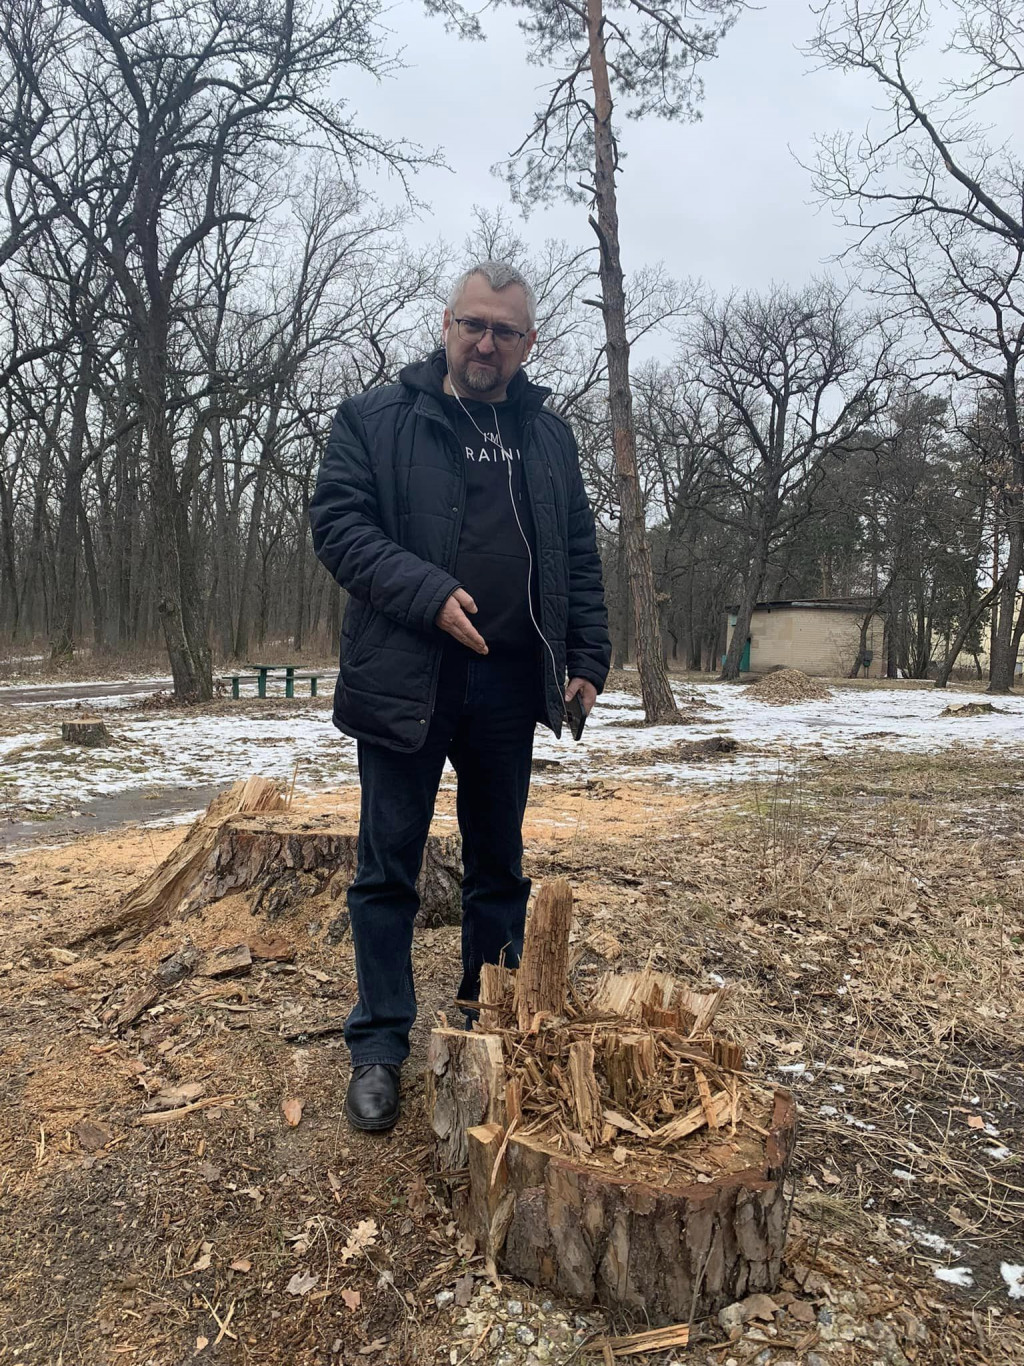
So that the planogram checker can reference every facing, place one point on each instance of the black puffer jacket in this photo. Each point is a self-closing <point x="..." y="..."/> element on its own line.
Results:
<point x="386" y="516"/>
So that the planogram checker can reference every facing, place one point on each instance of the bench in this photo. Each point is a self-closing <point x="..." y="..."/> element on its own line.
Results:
<point x="260" y="679"/>
<point x="312" y="678"/>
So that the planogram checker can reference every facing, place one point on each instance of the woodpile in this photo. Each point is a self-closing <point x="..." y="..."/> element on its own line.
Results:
<point x="248" y="840"/>
<point x="613" y="1149"/>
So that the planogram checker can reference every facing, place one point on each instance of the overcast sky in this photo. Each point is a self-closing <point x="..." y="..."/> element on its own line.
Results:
<point x="723" y="199"/>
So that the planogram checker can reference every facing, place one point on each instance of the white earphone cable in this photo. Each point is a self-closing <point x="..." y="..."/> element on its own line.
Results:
<point x="507" y="457"/>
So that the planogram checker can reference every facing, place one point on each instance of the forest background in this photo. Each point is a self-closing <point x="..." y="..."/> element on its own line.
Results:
<point x="203" y="249"/>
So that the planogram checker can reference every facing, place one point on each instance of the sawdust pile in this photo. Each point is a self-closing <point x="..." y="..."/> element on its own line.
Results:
<point x="789" y="685"/>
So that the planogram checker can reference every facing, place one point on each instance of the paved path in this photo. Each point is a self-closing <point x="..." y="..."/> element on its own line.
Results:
<point x="68" y="692"/>
<point x="106" y="813"/>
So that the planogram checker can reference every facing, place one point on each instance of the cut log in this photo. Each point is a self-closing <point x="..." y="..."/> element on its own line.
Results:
<point x="86" y="730"/>
<point x="465" y="1088"/>
<point x="542" y="979"/>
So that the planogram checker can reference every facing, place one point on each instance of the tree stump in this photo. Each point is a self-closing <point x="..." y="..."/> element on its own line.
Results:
<point x="614" y="1149"/>
<point x="86" y="730"/>
<point x="248" y="841"/>
<point x="282" y="862"/>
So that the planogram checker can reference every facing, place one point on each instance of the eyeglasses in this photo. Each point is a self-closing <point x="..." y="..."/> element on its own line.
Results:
<point x="505" y="338"/>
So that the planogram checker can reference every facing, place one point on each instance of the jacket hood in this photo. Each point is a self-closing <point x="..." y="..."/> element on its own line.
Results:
<point x="427" y="377"/>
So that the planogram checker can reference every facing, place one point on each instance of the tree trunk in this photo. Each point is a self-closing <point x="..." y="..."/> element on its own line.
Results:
<point x="966" y="627"/>
<point x="745" y="610"/>
<point x="62" y="629"/>
<point x="179" y="596"/>
<point x="659" y="703"/>
<point x="1004" y="656"/>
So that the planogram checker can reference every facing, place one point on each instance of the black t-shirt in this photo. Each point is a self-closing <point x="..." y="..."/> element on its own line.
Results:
<point x="493" y="563"/>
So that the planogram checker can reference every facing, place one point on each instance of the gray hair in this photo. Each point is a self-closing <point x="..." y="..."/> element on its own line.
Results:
<point x="499" y="275"/>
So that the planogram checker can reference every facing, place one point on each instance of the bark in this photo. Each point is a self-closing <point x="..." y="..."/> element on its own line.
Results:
<point x="659" y="703"/>
<point x="1004" y="654"/>
<point x="62" y="632"/>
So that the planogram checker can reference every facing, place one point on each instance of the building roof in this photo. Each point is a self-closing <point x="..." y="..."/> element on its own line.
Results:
<point x="860" y="605"/>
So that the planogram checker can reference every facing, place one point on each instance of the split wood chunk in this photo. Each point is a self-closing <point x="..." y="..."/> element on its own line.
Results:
<point x="614" y="1150"/>
<point x="542" y="979"/>
<point x="86" y="730"/>
<point x="497" y="994"/>
<point x="585" y="1095"/>
<point x="158" y="897"/>
<point x="226" y="962"/>
<point x="465" y="1088"/>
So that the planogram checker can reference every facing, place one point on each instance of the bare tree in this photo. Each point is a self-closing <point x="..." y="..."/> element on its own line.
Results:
<point x="794" y="377"/>
<point x="936" y="215"/>
<point x="187" y="108"/>
<point x="648" y="58"/>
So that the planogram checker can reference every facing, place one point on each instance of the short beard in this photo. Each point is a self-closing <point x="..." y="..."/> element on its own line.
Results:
<point x="481" y="383"/>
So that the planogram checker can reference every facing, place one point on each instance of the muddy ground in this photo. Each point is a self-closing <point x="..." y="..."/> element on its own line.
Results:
<point x="871" y="915"/>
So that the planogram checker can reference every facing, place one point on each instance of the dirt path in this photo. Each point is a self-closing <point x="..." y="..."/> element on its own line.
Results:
<point x="42" y="694"/>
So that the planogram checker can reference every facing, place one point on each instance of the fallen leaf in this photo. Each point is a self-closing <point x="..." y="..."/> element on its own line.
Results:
<point x="352" y="1299"/>
<point x="92" y="1136"/>
<point x="203" y="1261"/>
<point x="975" y="1122"/>
<point x="201" y="1342"/>
<point x="759" y="1307"/>
<point x="418" y="1197"/>
<point x="790" y="1049"/>
<point x="292" y="1111"/>
<point x="620" y="1155"/>
<point x="364" y="1235"/>
<point x="301" y="1283"/>
<point x="464" y="1290"/>
<point x="241" y="1264"/>
<point x="465" y="1245"/>
<point x="377" y="1345"/>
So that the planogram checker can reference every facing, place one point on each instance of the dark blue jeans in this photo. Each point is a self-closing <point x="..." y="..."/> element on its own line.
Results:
<point x="483" y="721"/>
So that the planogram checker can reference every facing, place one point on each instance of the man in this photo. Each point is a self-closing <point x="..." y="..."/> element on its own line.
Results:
<point x="451" y="508"/>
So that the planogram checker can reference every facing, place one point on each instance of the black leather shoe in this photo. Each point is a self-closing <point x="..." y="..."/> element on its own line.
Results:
<point x="372" y="1100"/>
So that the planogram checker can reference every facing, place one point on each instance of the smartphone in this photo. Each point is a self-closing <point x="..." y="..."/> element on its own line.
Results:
<point x="576" y="716"/>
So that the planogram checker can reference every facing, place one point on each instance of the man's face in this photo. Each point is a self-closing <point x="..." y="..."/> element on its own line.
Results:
<point x="481" y="366"/>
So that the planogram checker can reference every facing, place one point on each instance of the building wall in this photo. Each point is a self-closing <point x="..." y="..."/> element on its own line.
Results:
<point x="817" y="640"/>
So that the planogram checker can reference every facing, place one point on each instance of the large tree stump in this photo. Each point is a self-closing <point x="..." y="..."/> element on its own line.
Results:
<point x="283" y="861"/>
<point x="614" y="1150"/>
<point x="248" y="841"/>
<point x="86" y="730"/>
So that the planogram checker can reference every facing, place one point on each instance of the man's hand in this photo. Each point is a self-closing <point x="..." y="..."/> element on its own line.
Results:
<point x="452" y="618"/>
<point x="586" y="690"/>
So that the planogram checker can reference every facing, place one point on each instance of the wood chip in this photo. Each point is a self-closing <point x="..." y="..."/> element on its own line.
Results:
<point x="656" y="1340"/>
<point x="169" y="1116"/>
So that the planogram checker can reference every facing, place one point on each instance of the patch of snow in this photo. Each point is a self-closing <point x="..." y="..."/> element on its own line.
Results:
<point x="827" y="1111"/>
<point x="962" y="1276"/>
<point x="997" y="1153"/>
<point x="1014" y="1278"/>
<point x="795" y="1069"/>
<point x="901" y="1174"/>
<point x="934" y="1242"/>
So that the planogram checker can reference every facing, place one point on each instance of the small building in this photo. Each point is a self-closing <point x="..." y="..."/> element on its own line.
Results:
<point x="816" y="635"/>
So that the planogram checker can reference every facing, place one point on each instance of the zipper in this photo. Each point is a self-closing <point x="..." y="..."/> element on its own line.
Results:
<point x="442" y="421"/>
